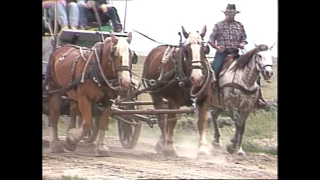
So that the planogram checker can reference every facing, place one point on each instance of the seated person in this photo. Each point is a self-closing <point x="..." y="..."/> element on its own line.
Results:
<point x="105" y="12"/>
<point x="68" y="13"/>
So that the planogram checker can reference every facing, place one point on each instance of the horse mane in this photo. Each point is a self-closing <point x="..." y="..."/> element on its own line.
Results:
<point x="244" y="59"/>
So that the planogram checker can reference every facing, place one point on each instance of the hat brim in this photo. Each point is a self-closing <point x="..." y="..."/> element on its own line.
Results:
<point x="236" y="12"/>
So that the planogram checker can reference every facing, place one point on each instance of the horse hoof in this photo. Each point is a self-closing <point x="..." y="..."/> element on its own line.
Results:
<point x="203" y="152"/>
<point x="74" y="135"/>
<point x="69" y="145"/>
<point x="56" y="147"/>
<point x="216" y="144"/>
<point x="159" y="147"/>
<point x="230" y="149"/>
<point x="241" y="152"/>
<point x="170" y="152"/>
<point x="102" y="151"/>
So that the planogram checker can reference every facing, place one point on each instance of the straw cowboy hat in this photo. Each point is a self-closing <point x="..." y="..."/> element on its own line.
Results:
<point x="231" y="7"/>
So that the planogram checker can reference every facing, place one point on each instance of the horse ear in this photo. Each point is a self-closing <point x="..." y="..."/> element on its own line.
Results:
<point x="272" y="46"/>
<point x="254" y="44"/>
<point x="113" y="38"/>
<point x="204" y="31"/>
<point x="185" y="34"/>
<point x="129" y="37"/>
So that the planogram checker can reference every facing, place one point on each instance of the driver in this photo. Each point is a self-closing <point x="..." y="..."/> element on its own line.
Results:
<point x="227" y="37"/>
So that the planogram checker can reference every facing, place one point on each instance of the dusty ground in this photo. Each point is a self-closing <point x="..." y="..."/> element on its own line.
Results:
<point x="143" y="162"/>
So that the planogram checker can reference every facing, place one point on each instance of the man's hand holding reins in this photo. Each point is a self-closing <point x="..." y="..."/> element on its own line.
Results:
<point x="241" y="45"/>
<point x="220" y="49"/>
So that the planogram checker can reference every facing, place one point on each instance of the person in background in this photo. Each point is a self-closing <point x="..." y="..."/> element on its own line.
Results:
<point x="106" y="12"/>
<point x="68" y="13"/>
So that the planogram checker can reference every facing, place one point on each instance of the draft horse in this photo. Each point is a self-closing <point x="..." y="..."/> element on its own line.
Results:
<point x="88" y="76"/>
<point x="179" y="74"/>
<point x="239" y="92"/>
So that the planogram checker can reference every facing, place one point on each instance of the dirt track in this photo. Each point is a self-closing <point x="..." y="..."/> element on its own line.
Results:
<point x="143" y="162"/>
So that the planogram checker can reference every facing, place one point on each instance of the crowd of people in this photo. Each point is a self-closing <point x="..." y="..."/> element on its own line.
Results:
<point x="76" y="14"/>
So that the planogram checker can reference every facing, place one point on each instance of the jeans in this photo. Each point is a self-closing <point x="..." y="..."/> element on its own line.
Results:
<point x="218" y="62"/>
<point x="70" y="14"/>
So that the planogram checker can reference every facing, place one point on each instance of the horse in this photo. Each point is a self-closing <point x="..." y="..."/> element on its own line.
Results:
<point x="87" y="76"/>
<point x="181" y="75"/>
<point x="239" y="92"/>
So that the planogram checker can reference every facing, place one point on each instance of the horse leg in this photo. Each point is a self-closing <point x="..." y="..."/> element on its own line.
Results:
<point x="232" y="146"/>
<point x="169" y="148"/>
<point x="202" y="126"/>
<point x="242" y="125"/>
<point x="240" y="117"/>
<point x="75" y="135"/>
<point x="101" y="149"/>
<point x="157" y="104"/>
<point x="216" y="136"/>
<point x="73" y="115"/>
<point x="54" y="114"/>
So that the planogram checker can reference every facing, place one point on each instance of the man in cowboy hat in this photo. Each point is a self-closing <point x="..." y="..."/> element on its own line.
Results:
<point x="227" y="37"/>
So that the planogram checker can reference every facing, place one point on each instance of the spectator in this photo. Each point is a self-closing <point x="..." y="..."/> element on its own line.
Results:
<point x="68" y="12"/>
<point x="106" y="12"/>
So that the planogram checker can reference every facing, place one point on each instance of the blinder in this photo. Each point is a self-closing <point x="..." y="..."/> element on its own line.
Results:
<point x="112" y="57"/>
<point x="134" y="58"/>
<point x="206" y="49"/>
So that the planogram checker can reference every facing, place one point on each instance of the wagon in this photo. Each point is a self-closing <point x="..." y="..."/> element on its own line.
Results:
<point x="125" y="108"/>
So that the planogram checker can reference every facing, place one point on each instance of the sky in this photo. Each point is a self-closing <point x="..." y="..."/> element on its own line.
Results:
<point x="162" y="20"/>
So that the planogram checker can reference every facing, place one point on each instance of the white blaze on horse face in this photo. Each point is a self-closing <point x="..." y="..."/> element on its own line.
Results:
<point x="195" y="40"/>
<point x="123" y="51"/>
<point x="266" y="61"/>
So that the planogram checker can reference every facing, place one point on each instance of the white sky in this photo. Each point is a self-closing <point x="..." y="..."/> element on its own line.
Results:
<point x="162" y="19"/>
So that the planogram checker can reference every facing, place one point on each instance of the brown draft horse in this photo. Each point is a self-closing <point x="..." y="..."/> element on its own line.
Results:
<point x="164" y="65"/>
<point x="88" y="77"/>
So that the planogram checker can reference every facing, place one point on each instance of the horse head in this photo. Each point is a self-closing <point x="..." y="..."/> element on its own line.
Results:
<point x="194" y="53"/>
<point x="120" y="57"/>
<point x="264" y="60"/>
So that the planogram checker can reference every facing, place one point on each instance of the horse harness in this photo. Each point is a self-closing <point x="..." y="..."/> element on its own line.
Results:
<point x="92" y="68"/>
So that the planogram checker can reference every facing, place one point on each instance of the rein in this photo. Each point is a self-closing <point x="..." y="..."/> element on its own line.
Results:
<point x="152" y="39"/>
<point x="204" y="83"/>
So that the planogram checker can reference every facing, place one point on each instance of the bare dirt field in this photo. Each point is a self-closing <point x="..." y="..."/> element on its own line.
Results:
<point x="142" y="162"/>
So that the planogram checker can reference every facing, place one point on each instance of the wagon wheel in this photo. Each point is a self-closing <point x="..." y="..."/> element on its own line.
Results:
<point x="129" y="133"/>
<point x="91" y="136"/>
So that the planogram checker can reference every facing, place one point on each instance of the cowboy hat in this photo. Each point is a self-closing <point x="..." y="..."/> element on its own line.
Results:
<point x="231" y="7"/>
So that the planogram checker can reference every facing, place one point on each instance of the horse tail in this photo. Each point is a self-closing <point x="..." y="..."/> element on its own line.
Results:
<point x="47" y="77"/>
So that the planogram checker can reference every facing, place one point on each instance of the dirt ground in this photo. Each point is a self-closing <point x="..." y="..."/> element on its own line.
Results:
<point x="142" y="162"/>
